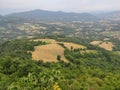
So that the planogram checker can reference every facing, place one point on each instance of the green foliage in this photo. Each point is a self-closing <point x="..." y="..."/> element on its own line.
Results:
<point x="19" y="48"/>
<point x="37" y="81"/>
<point x="84" y="71"/>
<point x="117" y="45"/>
<point x="58" y="57"/>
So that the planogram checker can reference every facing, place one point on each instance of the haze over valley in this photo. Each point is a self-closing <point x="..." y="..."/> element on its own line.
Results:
<point x="60" y="45"/>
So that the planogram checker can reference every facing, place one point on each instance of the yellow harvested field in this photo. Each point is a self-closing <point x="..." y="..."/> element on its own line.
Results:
<point x="46" y="40"/>
<point x="102" y="44"/>
<point x="107" y="45"/>
<point x="48" y="53"/>
<point x="75" y="46"/>
<point x="95" y="42"/>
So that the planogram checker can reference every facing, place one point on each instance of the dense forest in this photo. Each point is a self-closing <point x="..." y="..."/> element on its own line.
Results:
<point x="84" y="71"/>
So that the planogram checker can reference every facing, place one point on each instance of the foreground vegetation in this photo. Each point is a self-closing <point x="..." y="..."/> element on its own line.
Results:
<point x="84" y="71"/>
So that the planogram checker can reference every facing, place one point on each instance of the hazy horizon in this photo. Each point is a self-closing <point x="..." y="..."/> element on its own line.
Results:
<point x="7" y="6"/>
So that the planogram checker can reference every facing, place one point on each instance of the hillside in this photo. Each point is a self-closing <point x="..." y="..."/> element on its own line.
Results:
<point x="54" y="16"/>
<point x="1" y="17"/>
<point x="44" y="50"/>
<point x="83" y="71"/>
<point x="115" y="15"/>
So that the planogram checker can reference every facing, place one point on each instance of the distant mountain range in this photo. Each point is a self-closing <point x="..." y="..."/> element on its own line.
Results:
<point x="54" y="16"/>
<point x="114" y="15"/>
<point x="1" y="16"/>
<point x="64" y="16"/>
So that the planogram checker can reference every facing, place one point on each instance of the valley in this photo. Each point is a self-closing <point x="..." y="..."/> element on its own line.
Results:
<point x="54" y="50"/>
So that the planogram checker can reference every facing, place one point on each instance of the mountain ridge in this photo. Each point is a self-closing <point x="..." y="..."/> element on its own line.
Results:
<point x="54" y="15"/>
<point x="114" y="15"/>
<point x="46" y="15"/>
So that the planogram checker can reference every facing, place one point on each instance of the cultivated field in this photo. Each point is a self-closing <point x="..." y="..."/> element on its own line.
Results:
<point x="107" y="46"/>
<point x="103" y="44"/>
<point x="75" y="46"/>
<point x="48" y="53"/>
<point x="46" y="40"/>
<point x="95" y="42"/>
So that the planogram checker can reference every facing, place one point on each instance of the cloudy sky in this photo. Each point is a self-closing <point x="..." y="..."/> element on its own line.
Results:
<point x="8" y="6"/>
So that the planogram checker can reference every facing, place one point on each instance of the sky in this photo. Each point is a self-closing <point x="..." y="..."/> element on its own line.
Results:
<point x="10" y="6"/>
